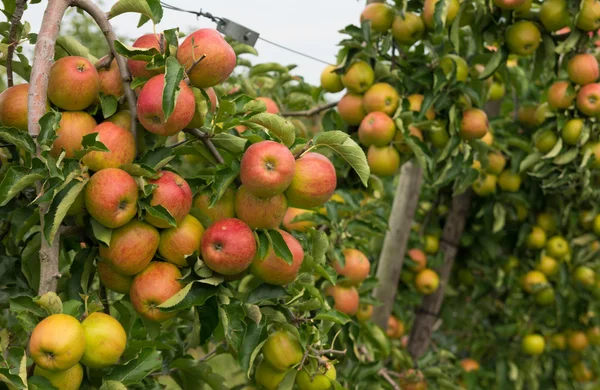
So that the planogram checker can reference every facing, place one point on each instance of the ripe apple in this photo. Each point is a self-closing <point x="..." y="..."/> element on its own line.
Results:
<point x="427" y="281"/>
<point x="257" y="212"/>
<point x="110" y="79"/>
<point x="132" y="247"/>
<point x="121" y="118"/>
<point x="13" y="106"/>
<point x="111" y="197"/>
<point x="275" y="270"/>
<point x="571" y="131"/>
<point x="120" y="143"/>
<point x="533" y="280"/>
<point x="429" y="9"/>
<point x="320" y="379"/>
<point x="395" y="328"/>
<point x="376" y="129"/>
<point x="267" y="376"/>
<point x="313" y="183"/>
<point x="588" y="99"/>
<point x="474" y="124"/>
<point x="57" y="342"/>
<point x="174" y="194"/>
<point x="533" y="344"/>
<point x="356" y="267"/>
<point x="583" y="69"/>
<point x="509" y="181"/>
<point x="401" y="144"/>
<point x="548" y="266"/>
<point x="105" y="340"/>
<point x="523" y="38"/>
<point x="300" y="226"/>
<point x="73" y="83"/>
<point x="526" y="115"/>
<point x="577" y="341"/>
<point x="176" y="243"/>
<point x="267" y="168"/>
<point x="383" y="161"/>
<point x="147" y="41"/>
<point x="272" y="107"/>
<point x="469" y="365"/>
<point x="537" y="238"/>
<point x="224" y="208"/>
<point x="113" y="280"/>
<point x="452" y="61"/>
<point x="215" y="67"/>
<point x="158" y="282"/>
<point x="419" y="258"/>
<point x="589" y="16"/>
<point x="364" y="312"/>
<point x="509" y="4"/>
<point x="282" y="350"/>
<point x="228" y="246"/>
<point x="408" y="30"/>
<point x="69" y="379"/>
<point x="561" y="95"/>
<point x="72" y="127"/>
<point x="150" y="107"/>
<point x="415" y="101"/>
<point x="331" y="81"/>
<point x="381" y="97"/>
<point x="496" y="163"/>
<point x="345" y="299"/>
<point x="554" y="14"/>
<point x="358" y="77"/>
<point x="581" y="372"/>
<point x="485" y="185"/>
<point x="557" y="247"/>
<point x="350" y="107"/>
<point x="380" y="15"/>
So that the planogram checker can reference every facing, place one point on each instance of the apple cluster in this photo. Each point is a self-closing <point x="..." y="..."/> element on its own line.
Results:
<point x="351" y="274"/>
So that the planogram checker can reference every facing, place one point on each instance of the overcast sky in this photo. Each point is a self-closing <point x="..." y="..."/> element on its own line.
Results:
<point x="308" y="26"/>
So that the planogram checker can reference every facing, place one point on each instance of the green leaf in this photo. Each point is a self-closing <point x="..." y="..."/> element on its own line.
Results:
<point x="136" y="369"/>
<point x="349" y="150"/>
<point x="112" y="385"/>
<point x="37" y="382"/>
<point x="91" y="142"/>
<point x="498" y="59"/>
<point x="265" y="292"/>
<point x="141" y="170"/>
<point x="158" y="211"/>
<point x="136" y="53"/>
<point x="48" y="125"/>
<point x="276" y="125"/>
<point x="148" y="9"/>
<point x="195" y="374"/>
<point x="109" y="105"/>
<point x="173" y="77"/>
<point x="566" y="157"/>
<point x="229" y="142"/>
<point x="193" y="294"/>
<point x="280" y="246"/>
<point x="101" y="232"/>
<point x="17" y="178"/>
<point x="59" y="207"/>
<point x="263" y="244"/>
<point x="529" y="161"/>
<point x="68" y="46"/>
<point x="17" y="137"/>
<point x="499" y="217"/>
<point x="333" y="316"/>
<point x="267" y="67"/>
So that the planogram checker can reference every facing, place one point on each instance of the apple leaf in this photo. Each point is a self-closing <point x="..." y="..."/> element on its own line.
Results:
<point x="158" y="211"/>
<point x="38" y="382"/>
<point x="333" y="316"/>
<point x="90" y="142"/>
<point x="60" y="205"/>
<point x="173" y="77"/>
<point x="68" y="46"/>
<point x="135" y="53"/>
<point x="263" y="244"/>
<point x="136" y="369"/>
<point x="17" y="178"/>
<point x="49" y="123"/>
<point x="276" y="125"/>
<point x="265" y="292"/>
<point x="229" y="142"/>
<point x="141" y="170"/>
<point x="13" y="370"/>
<point x="196" y="374"/>
<point x="496" y="60"/>
<point x="101" y="232"/>
<point x="280" y="246"/>
<point x="151" y="9"/>
<point x="19" y="138"/>
<point x="193" y="294"/>
<point x="112" y="385"/>
<point x="109" y="105"/>
<point x="349" y="150"/>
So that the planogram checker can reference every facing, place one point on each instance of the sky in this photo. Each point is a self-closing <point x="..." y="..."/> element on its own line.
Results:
<point x="308" y="26"/>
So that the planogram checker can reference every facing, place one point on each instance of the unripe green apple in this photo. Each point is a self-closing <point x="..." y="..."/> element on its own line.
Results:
<point x="408" y="29"/>
<point x="69" y="379"/>
<point x="383" y="161"/>
<point x="523" y="38"/>
<point x="545" y="141"/>
<point x="380" y="15"/>
<point x="358" y="77"/>
<point x="452" y="7"/>
<point x="452" y="61"/>
<point x="485" y="185"/>
<point x="537" y="238"/>
<point x="267" y="376"/>
<point x="224" y="208"/>
<point x="533" y="344"/>
<point x="331" y="81"/>
<point x="427" y="281"/>
<point x="105" y="340"/>
<point x="557" y="247"/>
<point x="571" y="131"/>
<point x="585" y="276"/>
<point x="509" y="181"/>
<point x="554" y="14"/>
<point x="111" y="279"/>
<point x="319" y="380"/>
<point x="545" y="297"/>
<point x="589" y="16"/>
<point x="282" y="350"/>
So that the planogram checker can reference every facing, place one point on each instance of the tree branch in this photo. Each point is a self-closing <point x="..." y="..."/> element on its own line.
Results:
<point x="384" y="373"/>
<point x="104" y="62"/>
<point x="205" y="138"/>
<point x="312" y="112"/>
<point x="12" y="37"/>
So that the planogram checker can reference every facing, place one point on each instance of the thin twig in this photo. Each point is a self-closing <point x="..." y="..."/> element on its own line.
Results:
<point x="332" y="351"/>
<point x="199" y="60"/>
<point x="104" y="299"/>
<point x="12" y="37"/>
<point x="304" y="149"/>
<point x="211" y="353"/>
<point x="185" y="141"/>
<point x="104" y="62"/>
<point x="303" y="358"/>
<point x="205" y="138"/>
<point x="384" y="373"/>
<point x="312" y="112"/>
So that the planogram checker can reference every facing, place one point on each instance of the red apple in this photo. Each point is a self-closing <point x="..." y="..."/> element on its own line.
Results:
<point x="72" y="127"/>
<point x="120" y="143"/>
<point x="356" y="266"/>
<point x="351" y="109"/>
<point x="13" y="106"/>
<point x="148" y="41"/>
<point x="474" y="124"/>
<point x="228" y="246"/>
<point x="376" y="129"/>
<point x="174" y="194"/>
<point x="73" y="83"/>
<point x="267" y="168"/>
<point x="346" y="299"/>
<point x="313" y="183"/>
<point x="215" y="67"/>
<point x="179" y="242"/>
<point x="559" y="96"/>
<point x="588" y="99"/>
<point x="275" y="270"/>
<point x="150" y="107"/>
<point x="259" y="213"/>
<point x="111" y="197"/>
<point x="158" y="282"/>
<point x="272" y="107"/>
<point x="583" y="69"/>
<point x="110" y="79"/>
<point x="113" y="280"/>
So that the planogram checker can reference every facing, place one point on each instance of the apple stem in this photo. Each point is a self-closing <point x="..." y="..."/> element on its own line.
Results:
<point x="205" y="138"/>
<point x="312" y="112"/>
<point x="104" y="63"/>
<point x="306" y="148"/>
<point x="386" y="375"/>
<point x="12" y="38"/>
<point x="199" y="60"/>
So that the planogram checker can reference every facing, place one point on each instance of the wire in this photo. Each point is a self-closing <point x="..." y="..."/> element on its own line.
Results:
<point x="216" y="19"/>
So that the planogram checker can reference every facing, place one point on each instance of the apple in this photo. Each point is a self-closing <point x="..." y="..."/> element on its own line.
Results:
<point x="383" y="161"/>
<point x="415" y="102"/>
<point x="364" y="312"/>
<point x="380" y="15"/>
<point x="496" y="91"/>
<point x="571" y="131"/>
<point x="121" y="118"/>
<point x="469" y="365"/>
<point x="554" y="14"/>
<point x="451" y="62"/>
<point x="218" y="63"/>
<point x="345" y="299"/>
<point x="496" y="163"/>
<point x="485" y="185"/>
<point x="593" y="335"/>
<point x="548" y="266"/>
<point x="73" y="83"/>
<point x="509" y="181"/>
<point x="356" y="266"/>
<point x="267" y="168"/>
<point x="438" y="137"/>
<point x="202" y="106"/>
<point x="557" y="247"/>
<point x="351" y="110"/>
<point x="545" y="140"/>
<point x="111" y="197"/>
<point x="71" y="129"/>
<point x="588" y="16"/>
<point x="533" y="344"/>
<point x="150" y="107"/>
<point x="177" y="243"/>
<point x="313" y="183"/>
<point x="431" y="244"/>
<point x="533" y="280"/>
<point x="408" y="29"/>
<point x="174" y="194"/>
<point x="267" y="376"/>
<point x="401" y="144"/>
<point x="419" y="258"/>
<point x="561" y="95"/>
<point x="13" y="106"/>
<point x="110" y="79"/>
<point x="331" y="81"/>
<point x="523" y="38"/>
<point x="381" y="97"/>
<point x="577" y="341"/>
<point x="147" y="41"/>
<point x="105" y="340"/>
<point x="427" y="281"/>
<point x="321" y="379"/>
<point x="452" y="7"/>
<point x="132" y="247"/>
<point x="301" y="226"/>
<point x="358" y="77"/>
<point x="57" y="342"/>
<point x="120" y="143"/>
<point x="581" y="372"/>
<point x="474" y="124"/>
<point x="158" y="282"/>
<point x="228" y="246"/>
<point x="509" y="4"/>
<point x="558" y="341"/>
<point x="588" y="99"/>
<point x="584" y="276"/>
<point x="224" y="208"/>
<point x="282" y="350"/>
<point x="526" y="115"/>
<point x="583" y="69"/>
<point x="376" y="129"/>
<point x="257" y="212"/>
<point x="275" y="270"/>
<point x="69" y="379"/>
<point x="546" y="221"/>
<point x="272" y="107"/>
<point x="113" y="280"/>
